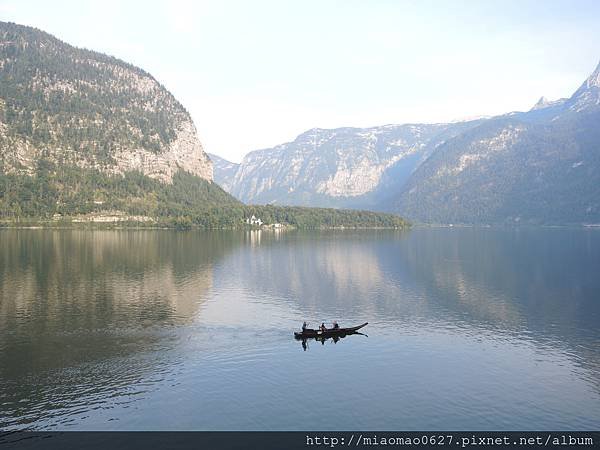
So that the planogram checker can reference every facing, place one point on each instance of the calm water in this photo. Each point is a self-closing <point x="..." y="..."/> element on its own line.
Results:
<point x="468" y="329"/>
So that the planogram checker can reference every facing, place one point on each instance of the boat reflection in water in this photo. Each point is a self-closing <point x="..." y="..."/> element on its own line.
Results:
<point x="322" y="338"/>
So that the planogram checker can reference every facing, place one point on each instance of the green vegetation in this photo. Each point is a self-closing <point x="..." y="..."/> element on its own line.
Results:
<point x="314" y="218"/>
<point x="190" y="202"/>
<point x="59" y="97"/>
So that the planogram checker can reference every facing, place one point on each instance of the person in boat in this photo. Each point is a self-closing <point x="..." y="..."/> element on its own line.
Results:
<point x="336" y="326"/>
<point x="323" y="327"/>
<point x="304" y="325"/>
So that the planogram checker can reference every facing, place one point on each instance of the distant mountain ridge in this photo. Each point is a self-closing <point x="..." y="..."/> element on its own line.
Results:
<point x="224" y="171"/>
<point x="344" y="167"/>
<point x="538" y="166"/>
<point x="81" y="132"/>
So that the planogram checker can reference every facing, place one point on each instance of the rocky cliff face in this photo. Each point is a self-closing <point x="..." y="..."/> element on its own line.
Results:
<point x="82" y="108"/>
<point x="184" y="152"/>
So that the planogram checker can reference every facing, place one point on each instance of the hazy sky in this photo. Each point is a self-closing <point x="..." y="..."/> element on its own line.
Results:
<point x="257" y="73"/>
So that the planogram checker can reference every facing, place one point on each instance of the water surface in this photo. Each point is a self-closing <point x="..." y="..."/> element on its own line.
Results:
<point x="162" y="330"/>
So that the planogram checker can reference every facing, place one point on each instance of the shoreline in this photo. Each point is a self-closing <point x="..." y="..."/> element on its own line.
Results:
<point x="142" y="226"/>
<point x="136" y="226"/>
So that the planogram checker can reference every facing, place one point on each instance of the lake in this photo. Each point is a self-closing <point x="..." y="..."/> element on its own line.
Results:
<point x="469" y="328"/>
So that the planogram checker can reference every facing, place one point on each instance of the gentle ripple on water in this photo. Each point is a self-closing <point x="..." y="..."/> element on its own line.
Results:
<point x="477" y="329"/>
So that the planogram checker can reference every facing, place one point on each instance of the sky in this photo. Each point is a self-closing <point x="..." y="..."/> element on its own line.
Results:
<point x="254" y="74"/>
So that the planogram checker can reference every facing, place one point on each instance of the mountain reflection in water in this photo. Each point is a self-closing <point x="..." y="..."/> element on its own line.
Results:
<point x="141" y="330"/>
<point x="82" y="310"/>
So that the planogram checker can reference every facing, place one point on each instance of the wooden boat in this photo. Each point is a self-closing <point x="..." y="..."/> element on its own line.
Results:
<point x="311" y="333"/>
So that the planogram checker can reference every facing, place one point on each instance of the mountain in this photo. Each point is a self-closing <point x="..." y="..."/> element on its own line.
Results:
<point x="89" y="110"/>
<point x="540" y="166"/>
<point x="588" y="95"/>
<point x="223" y="171"/>
<point x="545" y="104"/>
<point x="87" y="136"/>
<point x="343" y="167"/>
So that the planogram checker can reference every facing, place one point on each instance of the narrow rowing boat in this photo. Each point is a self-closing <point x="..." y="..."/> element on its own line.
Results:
<point x="309" y="332"/>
